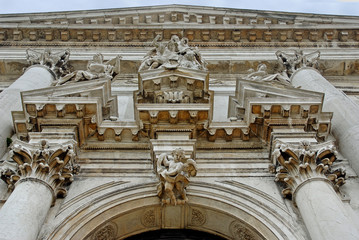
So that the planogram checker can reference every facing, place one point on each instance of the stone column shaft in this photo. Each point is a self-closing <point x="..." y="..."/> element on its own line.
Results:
<point x="35" y="77"/>
<point x="323" y="212"/>
<point x="345" y="122"/>
<point x="25" y="211"/>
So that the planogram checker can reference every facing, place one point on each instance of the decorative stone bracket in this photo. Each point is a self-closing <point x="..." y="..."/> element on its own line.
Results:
<point x="53" y="165"/>
<point x="298" y="164"/>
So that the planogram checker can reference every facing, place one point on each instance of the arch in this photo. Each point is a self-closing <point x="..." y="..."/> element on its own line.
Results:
<point x="225" y="210"/>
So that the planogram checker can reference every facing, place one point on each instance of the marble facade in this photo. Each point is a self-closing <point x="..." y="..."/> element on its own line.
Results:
<point x="237" y="123"/>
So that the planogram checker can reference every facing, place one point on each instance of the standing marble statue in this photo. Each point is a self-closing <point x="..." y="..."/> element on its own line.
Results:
<point x="173" y="172"/>
<point x="175" y="53"/>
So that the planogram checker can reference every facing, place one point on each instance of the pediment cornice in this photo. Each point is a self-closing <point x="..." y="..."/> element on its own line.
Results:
<point x="198" y="24"/>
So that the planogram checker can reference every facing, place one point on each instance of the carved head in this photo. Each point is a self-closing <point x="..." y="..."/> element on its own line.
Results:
<point x="178" y="155"/>
<point x="97" y="58"/>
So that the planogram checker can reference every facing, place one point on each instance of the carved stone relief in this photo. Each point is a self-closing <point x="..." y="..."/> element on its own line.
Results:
<point x="173" y="172"/>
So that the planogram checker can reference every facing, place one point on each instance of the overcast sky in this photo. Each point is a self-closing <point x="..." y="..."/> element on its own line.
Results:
<point x="338" y="7"/>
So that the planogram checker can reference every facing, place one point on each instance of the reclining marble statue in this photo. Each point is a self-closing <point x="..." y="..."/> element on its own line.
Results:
<point x="96" y="68"/>
<point x="173" y="172"/>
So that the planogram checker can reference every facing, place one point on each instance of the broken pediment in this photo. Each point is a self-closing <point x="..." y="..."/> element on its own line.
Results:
<point x="171" y="96"/>
<point x="267" y="108"/>
<point x="84" y="105"/>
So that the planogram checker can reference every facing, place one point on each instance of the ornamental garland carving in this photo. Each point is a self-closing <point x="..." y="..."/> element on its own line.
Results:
<point x="299" y="163"/>
<point x="173" y="172"/>
<point x="175" y="53"/>
<point x="96" y="68"/>
<point x="54" y="164"/>
<point x="55" y="61"/>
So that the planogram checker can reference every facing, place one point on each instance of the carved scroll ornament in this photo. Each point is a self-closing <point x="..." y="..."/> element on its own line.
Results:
<point x="174" y="172"/>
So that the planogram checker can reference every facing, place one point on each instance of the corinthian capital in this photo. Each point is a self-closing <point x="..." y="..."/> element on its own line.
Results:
<point x="297" y="164"/>
<point x="51" y="164"/>
<point x="57" y="62"/>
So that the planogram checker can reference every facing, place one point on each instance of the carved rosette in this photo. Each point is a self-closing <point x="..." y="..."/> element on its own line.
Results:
<point x="51" y="164"/>
<point x="298" y="164"/>
<point x="107" y="232"/>
<point x="240" y="231"/>
<point x="148" y="219"/>
<point x="198" y="218"/>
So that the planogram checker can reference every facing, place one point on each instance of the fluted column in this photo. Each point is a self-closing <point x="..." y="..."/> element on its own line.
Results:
<point x="41" y="74"/>
<point x="42" y="171"/>
<point x="305" y="171"/>
<point x="345" y="122"/>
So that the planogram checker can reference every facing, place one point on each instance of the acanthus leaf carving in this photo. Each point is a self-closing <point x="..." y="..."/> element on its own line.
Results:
<point x="53" y="164"/>
<point x="299" y="163"/>
<point x="174" y="172"/>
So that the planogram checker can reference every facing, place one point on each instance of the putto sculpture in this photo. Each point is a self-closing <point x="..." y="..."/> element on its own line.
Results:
<point x="173" y="172"/>
<point x="96" y="68"/>
<point x="293" y="62"/>
<point x="175" y="53"/>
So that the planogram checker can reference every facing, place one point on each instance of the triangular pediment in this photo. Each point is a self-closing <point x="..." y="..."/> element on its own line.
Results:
<point x="184" y="14"/>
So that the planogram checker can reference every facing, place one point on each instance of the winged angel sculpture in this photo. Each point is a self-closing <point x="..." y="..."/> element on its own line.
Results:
<point x="173" y="172"/>
<point x="293" y="62"/>
<point x="56" y="61"/>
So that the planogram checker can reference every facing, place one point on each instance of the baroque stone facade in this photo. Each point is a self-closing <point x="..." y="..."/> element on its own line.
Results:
<point x="238" y="123"/>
